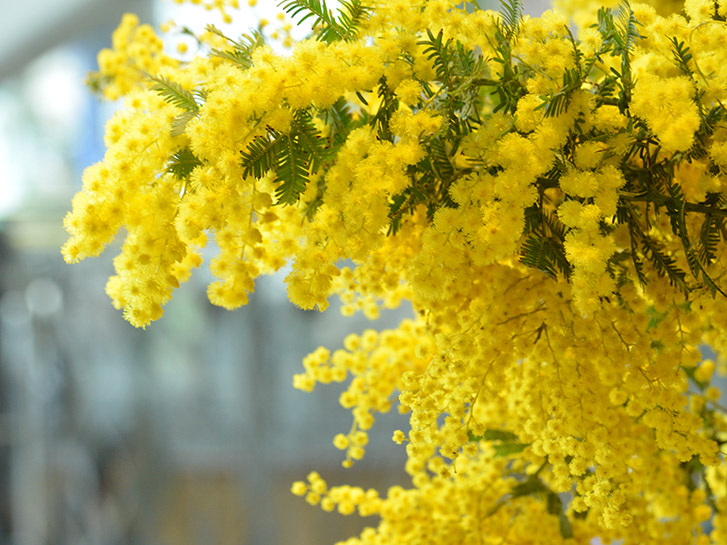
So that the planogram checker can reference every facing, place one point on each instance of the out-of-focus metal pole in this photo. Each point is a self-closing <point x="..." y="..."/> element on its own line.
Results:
<point x="25" y="397"/>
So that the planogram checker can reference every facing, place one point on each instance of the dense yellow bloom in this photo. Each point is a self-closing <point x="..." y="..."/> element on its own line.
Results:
<point x="668" y="107"/>
<point x="552" y="209"/>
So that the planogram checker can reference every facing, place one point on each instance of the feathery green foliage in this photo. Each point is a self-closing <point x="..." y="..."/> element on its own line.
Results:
<point x="241" y="50"/>
<point x="511" y="12"/>
<point x="179" y="123"/>
<point x="441" y="54"/>
<point x="261" y="155"/>
<point x="682" y="56"/>
<point x="388" y="105"/>
<point x="182" y="163"/>
<point x="329" y="27"/>
<point x="619" y="37"/>
<point x="292" y="172"/>
<point x="509" y="88"/>
<point x="292" y="156"/>
<point x="173" y="93"/>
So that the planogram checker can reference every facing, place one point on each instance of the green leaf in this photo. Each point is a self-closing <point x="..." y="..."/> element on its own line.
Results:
<point x="537" y="253"/>
<point x="500" y="435"/>
<point x="339" y="120"/>
<point x="261" y="154"/>
<point x="439" y="159"/>
<point x="655" y="318"/>
<point x="286" y="154"/>
<point x="440" y="54"/>
<point x="508" y="88"/>
<point x="545" y="252"/>
<point x="388" y="105"/>
<point x="664" y="264"/>
<point x="638" y="264"/>
<point x="292" y="172"/>
<point x="556" y="103"/>
<point x="628" y="34"/>
<point x="351" y="14"/>
<point x="682" y="56"/>
<point x="676" y="208"/>
<point x="690" y="372"/>
<point x="619" y="37"/>
<point x="710" y="236"/>
<point x="566" y="528"/>
<point x="173" y="93"/>
<point x="179" y="124"/>
<point x="182" y="163"/>
<point x="511" y="12"/>
<point x="554" y="503"/>
<point x="532" y="485"/>
<point x="241" y="51"/>
<point x="329" y="28"/>
<point x="555" y="507"/>
<point x="506" y="449"/>
<point x="308" y="137"/>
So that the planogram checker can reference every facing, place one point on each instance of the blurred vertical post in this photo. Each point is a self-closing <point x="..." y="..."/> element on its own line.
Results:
<point x="25" y="402"/>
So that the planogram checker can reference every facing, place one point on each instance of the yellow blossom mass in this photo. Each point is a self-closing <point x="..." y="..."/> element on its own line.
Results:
<point x="551" y="205"/>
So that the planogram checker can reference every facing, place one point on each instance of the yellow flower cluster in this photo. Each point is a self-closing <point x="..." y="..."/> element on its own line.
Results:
<point x="553" y="210"/>
<point x="676" y="125"/>
<point x="136" y="50"/>
<point x="222" y="6"/>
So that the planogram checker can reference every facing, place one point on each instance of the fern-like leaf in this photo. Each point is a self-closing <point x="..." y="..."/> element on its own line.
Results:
<point x="441" y="54"/>
<point x="709" y="238"/>
<point x="292" y="173"/>
<point x="698" y="271"/>
<point x="339" y="120"/>
<point x="556" y="103"/>
<point x="511" y="12"/>
<point x="329" y="28"/>
<point x="179" y="124"/>
<point x="682" y="56"/>
<point x="388" y="105"/>
<point x="173" y="93"/>
<point x="627" y="214"/>
<point x="182" y="163"/>
<point x="396" y="210"/>
<point x="308" y="137"/>
<point x="351" y="15"/>
<point x="629" y="34"/>
<point x="676" y="208"/>
<point x="241" y="50"/>
<point x="537" y="252"/>
<point x="554" y="225"/>
<point x="664" y="264"/>
<point x="291" y="156"/>
<point x="440" y="160"/>
<point x="261" y="154"/>
<point x="619" y="37"/>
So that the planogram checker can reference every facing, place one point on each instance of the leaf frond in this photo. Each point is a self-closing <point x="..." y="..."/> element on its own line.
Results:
<point x="173" y="93"/>
<point x="182" y="163"/>
<point x="511" y="12"/>
<point x="351" y="14"/>
<point x="179" y="124"/>
<point x="261" y="154"/>
<point x="241" y="50"/>
<point x="292" y="172"/>
<point x="537" y="252"/>
<point x="682" y="56"/>
<point x="307" y="136"/>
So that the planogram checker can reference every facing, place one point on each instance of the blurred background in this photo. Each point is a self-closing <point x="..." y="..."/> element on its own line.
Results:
<point x="188" y="432"/>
